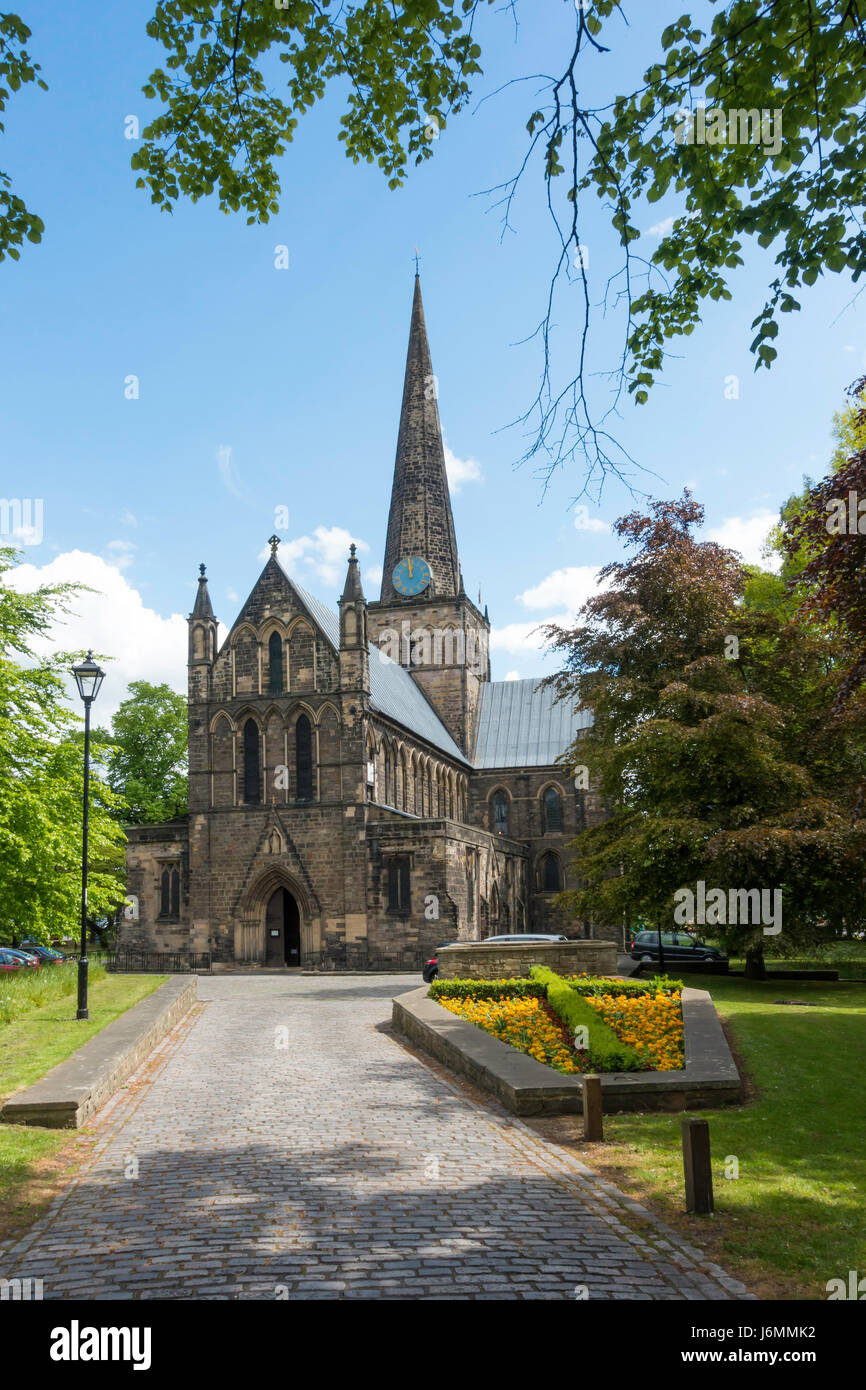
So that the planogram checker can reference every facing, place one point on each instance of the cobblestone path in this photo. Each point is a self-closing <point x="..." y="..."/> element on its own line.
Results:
<point x="279" y="1145"/>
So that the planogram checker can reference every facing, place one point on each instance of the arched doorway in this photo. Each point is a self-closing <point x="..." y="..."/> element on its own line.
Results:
<point x="282" y="930"/>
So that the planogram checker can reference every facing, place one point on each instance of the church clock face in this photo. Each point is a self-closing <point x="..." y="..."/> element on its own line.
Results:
<point x="411" y="576"/>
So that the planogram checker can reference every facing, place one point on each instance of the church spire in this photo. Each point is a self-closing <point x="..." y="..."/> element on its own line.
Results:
<point x="352" y="591"/>
<point x="420" y="522"/>
<point x="202" y="607"/>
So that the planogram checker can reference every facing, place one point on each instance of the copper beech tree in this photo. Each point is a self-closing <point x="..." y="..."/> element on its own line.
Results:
<point x="714" y="745"/>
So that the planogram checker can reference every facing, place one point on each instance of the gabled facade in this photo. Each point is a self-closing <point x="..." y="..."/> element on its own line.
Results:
<point x="358" y="785"/>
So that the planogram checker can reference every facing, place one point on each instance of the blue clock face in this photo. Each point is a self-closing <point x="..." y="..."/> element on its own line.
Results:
<point x="411" y="576"/>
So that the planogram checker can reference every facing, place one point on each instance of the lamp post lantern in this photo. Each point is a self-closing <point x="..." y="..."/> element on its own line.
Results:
<point x="88" y="678"/>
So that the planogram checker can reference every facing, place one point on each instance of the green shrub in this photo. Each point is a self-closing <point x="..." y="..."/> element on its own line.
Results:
<point x="606" y="1051"/>
<point x="599" y="985"/>
<point x="486" y="989"/>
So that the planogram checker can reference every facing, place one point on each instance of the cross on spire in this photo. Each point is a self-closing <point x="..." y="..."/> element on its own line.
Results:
<point x="273" y="542"/>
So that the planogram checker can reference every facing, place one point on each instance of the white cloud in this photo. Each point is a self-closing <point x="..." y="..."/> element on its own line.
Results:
<point x="660" y="228"/>
<point x="372" y="575"/>
<point x="584" y="522"/>
<point x="232" y="596"/>
<point x="569" y="588"/>
<point x="128" y="518"/>
<point x="133" y="641"/>
<point x="512" y="675"/>
<point x="122" y="553"/>
<point x="228" y="471"/>
<point x="748" y="535"/>
<point x="521" y="638"/>
<point x="322" y="556"/>
<point x="461" y="471"/>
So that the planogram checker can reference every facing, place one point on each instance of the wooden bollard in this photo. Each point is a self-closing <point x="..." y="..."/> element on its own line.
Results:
<point x="696" y="1166"/>
<point x="593" y="1128"/>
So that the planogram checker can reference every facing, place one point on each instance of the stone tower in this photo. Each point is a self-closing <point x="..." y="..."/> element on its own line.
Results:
<point x="202" y="654"/>
<point x="424" y="619"/>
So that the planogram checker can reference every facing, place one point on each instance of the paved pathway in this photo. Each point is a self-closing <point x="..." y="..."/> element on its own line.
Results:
<point x="278" y="1145"/>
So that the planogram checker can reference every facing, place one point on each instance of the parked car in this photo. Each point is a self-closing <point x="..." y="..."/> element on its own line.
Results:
<point x="431" y="968"/>
<point x="9" y="961"/>
<point x="517" y="938"/>
<point x="44" y="953"/>
<point x="24" y="956"/>
<point x="678" y="946"/>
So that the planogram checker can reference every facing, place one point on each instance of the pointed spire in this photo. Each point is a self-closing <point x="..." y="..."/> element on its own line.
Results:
<point x="352" y="591"/>
<point x="420" y="521"/>
<point x="202" y="607"/>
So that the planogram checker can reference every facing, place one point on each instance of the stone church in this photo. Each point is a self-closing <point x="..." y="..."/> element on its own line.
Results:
<point x="360" y="791"/>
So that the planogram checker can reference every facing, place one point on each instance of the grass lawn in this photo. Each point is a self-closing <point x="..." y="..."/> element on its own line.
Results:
<point x="796" y="1216"/>
<point x="32" y="1159"/>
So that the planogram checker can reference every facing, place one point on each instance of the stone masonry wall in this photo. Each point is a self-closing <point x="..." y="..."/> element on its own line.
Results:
<point x="501" y="962"/>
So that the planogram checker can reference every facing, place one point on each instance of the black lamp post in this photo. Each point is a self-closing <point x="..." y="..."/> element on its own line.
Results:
<point x="88" y="678"/>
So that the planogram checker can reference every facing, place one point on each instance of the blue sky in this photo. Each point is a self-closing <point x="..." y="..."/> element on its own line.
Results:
<point x="262" y="388"/>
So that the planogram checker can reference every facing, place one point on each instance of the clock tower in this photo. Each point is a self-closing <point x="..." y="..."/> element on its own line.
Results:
<point x="424" y="618"/>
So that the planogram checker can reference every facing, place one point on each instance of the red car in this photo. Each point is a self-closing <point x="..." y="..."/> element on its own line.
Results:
<point x="23" y="957"/>
<point x="8" y="961"/>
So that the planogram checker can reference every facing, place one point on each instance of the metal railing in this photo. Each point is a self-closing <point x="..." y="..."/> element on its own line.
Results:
<point x="158" y="962"/>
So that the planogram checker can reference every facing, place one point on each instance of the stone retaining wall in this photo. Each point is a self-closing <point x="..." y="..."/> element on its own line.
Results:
<point x="479" y="961"/>
<point x="527" y="1087"/>
<point x="75" y="1089"/>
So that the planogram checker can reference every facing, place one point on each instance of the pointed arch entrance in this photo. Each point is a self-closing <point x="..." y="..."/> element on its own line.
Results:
<point x="282" y="929"/>
<point x="261" y="909"/>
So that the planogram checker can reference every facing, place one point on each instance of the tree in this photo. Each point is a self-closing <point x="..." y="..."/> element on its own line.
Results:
<point x="785" y="170"/>
<point x="826" y="539"/>
<point x="709" y="744"/>
<point x="147" y="754"/>
<point x="17" y="222"/>
<point x="849" y="432"/>
<point x="41" y="780"/>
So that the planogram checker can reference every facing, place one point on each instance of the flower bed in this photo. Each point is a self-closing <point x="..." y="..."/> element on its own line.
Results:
<point x="637" y="1029"/>
<point x="527" y="1023"/>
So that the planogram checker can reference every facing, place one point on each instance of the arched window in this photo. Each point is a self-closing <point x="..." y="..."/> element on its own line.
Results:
<point x="551" y="880"/>
<point x="552" y="811"/>
<point x="500" y="813"/>
<point x="304" y="758"/>
<point x="275" y="663"/>
<point x="169" y="905"/>
<point x="388" y="788"/>
<point x="252" y="772"/>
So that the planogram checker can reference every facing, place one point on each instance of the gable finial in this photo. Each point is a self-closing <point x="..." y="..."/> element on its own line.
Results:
<point x="352" y="551"/>
<point x="201" y="570"/>
<point x="273" y="542"/>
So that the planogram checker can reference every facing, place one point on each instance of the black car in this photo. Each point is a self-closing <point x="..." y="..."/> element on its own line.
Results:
<point x="44" y="954"/>
<point x="431" y="969"/>
<point x="678" y="946"/>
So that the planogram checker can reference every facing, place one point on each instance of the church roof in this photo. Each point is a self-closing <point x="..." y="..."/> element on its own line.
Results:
<point x="392" y="690"/>
<point x="522" y="725"/>
<point x="420" y="521"/>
